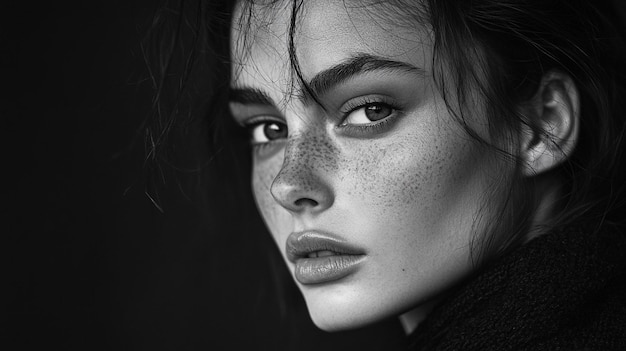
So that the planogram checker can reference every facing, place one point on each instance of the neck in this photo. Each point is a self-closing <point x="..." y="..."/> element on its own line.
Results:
<point x="548" y="191"/>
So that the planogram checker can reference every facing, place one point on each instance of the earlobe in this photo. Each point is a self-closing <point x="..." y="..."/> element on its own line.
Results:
<point x="553" y="118"/>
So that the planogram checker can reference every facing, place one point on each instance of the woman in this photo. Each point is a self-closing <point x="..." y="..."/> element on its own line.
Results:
<point x="456" y="164"/>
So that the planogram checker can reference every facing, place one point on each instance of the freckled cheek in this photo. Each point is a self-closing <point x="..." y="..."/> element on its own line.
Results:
<point x="427" y="175"/>
<point x="388" y="177"/>
<point x="413" y="178"/>
<point x="411" y="200"/>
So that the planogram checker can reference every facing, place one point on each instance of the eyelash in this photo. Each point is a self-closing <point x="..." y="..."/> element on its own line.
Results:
<point x="253" y="123"/>
<point x="359" y="103"/>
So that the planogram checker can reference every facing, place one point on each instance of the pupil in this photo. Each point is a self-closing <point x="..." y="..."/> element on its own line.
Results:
<point x="275" y="131"/>
<point x="377" y="112"/>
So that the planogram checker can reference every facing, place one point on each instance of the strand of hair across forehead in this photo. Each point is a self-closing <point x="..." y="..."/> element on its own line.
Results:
<point x="293" y="57"/>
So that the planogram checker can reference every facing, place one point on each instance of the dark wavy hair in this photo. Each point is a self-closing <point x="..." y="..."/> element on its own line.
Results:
<point x="500" y="48"/>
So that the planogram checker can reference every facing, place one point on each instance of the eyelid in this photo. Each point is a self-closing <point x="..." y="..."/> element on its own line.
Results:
<point x="252" y="123"/>
<point x="256" y="120"/>
<point x="244" y="113"/>
<point x="361" y="101"/>
<point x="368" y="130"/>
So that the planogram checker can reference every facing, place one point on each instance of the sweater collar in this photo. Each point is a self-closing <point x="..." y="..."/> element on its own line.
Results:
<point x="530" y="291"/>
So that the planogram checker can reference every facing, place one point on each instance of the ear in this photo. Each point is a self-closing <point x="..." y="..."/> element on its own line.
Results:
<point x="553" y="121"/>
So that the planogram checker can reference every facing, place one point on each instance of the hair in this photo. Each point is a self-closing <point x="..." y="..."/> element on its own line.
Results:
<point x="499" y="48"/>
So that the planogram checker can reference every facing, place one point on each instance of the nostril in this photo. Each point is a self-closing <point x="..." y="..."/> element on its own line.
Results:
<point x="303" y="202"/>
<point x="298" y="188"/>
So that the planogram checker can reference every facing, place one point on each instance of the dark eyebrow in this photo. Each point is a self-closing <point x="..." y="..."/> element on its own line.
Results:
<point x="327" y="79"/>
<point x="249" y="96"/>
<point x="358" y="64"/>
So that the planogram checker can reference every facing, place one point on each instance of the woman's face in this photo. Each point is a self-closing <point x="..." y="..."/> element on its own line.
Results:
<point x="372" y="191"/>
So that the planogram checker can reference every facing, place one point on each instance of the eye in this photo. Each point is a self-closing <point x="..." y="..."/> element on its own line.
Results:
<point x="266" y="131"/>
<point x="368" y="113"/>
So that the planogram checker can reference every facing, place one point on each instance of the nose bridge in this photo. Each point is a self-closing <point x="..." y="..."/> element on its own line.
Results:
<point x="304" y="180"/>
<point x="310" y="149"/>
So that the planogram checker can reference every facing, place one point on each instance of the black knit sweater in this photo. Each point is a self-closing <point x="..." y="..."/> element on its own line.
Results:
<point x="561" y="291"/>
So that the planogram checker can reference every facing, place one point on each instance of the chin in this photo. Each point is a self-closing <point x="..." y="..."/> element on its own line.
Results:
<point x="337" y="309"/>
<point x="333" y="322"/>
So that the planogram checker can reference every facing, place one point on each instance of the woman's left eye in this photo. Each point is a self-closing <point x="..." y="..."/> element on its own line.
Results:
<point x="267" y="131"/>
<point x="368" y="113"/>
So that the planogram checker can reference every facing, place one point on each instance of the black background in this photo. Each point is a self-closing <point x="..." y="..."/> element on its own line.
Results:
<point x="88" y="262"/>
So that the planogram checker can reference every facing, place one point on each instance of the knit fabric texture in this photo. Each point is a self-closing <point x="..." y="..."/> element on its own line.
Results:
<point x="565" y="290"/>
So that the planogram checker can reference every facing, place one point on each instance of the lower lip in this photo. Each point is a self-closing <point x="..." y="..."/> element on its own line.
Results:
<point x="319" y="270"/>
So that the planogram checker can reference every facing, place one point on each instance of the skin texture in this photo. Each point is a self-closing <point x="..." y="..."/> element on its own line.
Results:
<point x="408" y="193"/>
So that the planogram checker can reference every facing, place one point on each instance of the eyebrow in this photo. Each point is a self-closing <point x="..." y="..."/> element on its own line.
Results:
<point x="329" y="78"/>
<point x="249" y="96"/>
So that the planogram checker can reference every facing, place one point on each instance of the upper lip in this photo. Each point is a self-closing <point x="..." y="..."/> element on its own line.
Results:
<point x="301" y="244"/>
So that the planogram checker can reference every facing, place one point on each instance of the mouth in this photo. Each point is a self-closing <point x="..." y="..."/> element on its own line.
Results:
<point x="322" y="257"/>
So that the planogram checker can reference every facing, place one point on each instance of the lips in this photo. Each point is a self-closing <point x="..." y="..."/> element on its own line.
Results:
<point x="322" y="257"/>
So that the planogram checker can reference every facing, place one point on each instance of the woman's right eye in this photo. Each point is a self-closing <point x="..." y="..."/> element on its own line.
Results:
<point x="267" y="131"/>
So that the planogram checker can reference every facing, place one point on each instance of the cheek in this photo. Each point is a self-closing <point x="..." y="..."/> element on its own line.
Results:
<point x="416" y="169"/>
<point x="435" y="171"/>
<point x="423" y="191"/>
<point x="263" y="174"/>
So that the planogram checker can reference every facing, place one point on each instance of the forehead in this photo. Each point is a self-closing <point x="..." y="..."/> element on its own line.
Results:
<point x="324" y="33"/>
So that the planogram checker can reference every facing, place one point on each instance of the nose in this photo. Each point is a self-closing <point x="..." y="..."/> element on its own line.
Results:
<point x="302" y="185"/>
